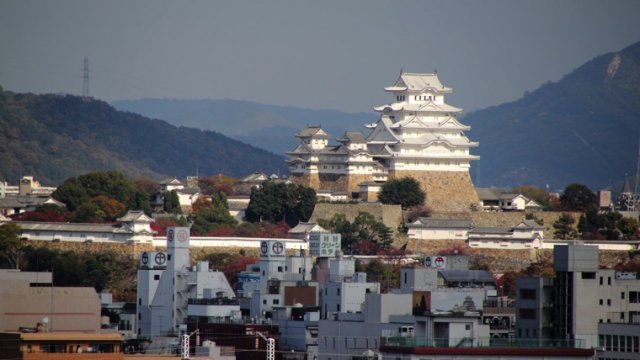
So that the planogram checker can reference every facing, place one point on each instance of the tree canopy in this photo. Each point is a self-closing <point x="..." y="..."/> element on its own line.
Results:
<point x="364" y="236"/>
<point x="101" y="196"/>
<point x="211" y="215"/>
<point x="405" y="192"/>
<point x="10" y="246"/>
<point x="578" y="197"/>
<point x="281" y="202"/>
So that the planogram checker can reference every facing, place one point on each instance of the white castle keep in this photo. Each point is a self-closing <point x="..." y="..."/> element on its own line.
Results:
<point x="418" y="135"/>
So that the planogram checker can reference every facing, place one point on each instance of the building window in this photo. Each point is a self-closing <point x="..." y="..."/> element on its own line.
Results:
<point x="139" y="301"/>
<point x="264" y="302"/>
<point x="601" y="280"/>
<point x="139" y="316"/>
<point x="622" y="295"/>
<point x="633" y="297"/>
<point x="609" y="280"/>
<point x="588" y="275"/>
<point x="609" y="302"/>
<point x="279" y="268"/>
<point x="156" y="277"/>
<point x="338" y="292"/>
<point x="527" y="314"/>
<point x="276" y="301"/>
<point x="601" y="302"/>
<point x="527" y="294"/>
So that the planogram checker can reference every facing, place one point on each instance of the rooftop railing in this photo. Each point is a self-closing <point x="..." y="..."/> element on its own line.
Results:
<point x="483" y="343"/>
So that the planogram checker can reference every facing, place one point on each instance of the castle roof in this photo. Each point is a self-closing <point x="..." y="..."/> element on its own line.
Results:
<point x="430" y="223"/>
<point x="418" y="123"/>
<point x="313" y="131"/>
<point x="418" y="82"/>
<point x="489" y="193"/>
<point x="382" y="134"/>
<point x="135" y="215"/>
<point x="428" y="139"/>
<point x="427" y="106"/>
<point x="352" y="137"/>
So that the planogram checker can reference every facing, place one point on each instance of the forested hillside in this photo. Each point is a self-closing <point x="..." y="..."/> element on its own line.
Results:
<point x="584" y="128"/>
<point x="54" y="137"/>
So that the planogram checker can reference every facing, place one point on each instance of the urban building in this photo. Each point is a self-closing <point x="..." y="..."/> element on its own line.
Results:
<point x="29" y="300"/>
<point x="167" y="282"/>
<point x="61" y="345"/>
<point x="581" y="296"/>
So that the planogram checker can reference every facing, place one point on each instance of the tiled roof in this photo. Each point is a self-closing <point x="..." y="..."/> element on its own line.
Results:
<point x="430" y="223"/>
<point x="488" y="193"/>
<point x="313" y="131"/>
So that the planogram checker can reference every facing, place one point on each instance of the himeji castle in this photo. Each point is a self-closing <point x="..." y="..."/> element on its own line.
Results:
<point x="418" y="135"/>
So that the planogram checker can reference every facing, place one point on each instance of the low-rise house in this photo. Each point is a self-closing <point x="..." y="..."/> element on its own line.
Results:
<point x="492" y="199"/>
<point x="18" y="204"/>
<point x="526" y="235"/>
<point x="238" y="206"/>
<point x="187" y="194"/>
<point x="439" y="229"/>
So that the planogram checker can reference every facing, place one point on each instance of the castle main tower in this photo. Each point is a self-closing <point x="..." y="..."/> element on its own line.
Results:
<point x="418" y="135"/>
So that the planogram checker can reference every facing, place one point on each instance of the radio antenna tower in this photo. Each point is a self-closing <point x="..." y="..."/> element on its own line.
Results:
<point x="636" y="195"/>
<point x="85" y="79"/>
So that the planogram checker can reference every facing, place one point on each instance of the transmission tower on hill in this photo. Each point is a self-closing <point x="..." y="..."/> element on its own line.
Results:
<point x="85" y="78"/>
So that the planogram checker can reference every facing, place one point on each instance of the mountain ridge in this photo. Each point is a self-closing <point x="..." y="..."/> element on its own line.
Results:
<point x="54" y="137"/>
<point x="582" y="128"/>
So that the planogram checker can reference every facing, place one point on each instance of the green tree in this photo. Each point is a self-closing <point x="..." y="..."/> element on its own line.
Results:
<point x="578" y="197"/>
<point x="11" y="246"/>
<point x="564" y="227"/>
<point x="171" y="203"/>
<point x="76" y="191"/>
<point x="281" y="202"/>
<point x="72" y="193"/>
<point x="211" y="215"/>
<point x="88" y="212"/>
<point x="365" y="236"/>
<point x="405" y="192"/>
<point x="628" y="227"/>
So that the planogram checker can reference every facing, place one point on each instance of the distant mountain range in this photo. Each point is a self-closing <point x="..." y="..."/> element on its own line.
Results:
<point x="265" y="126"/>
<point x="54" y="137"/>
<point x="584" y="128"/>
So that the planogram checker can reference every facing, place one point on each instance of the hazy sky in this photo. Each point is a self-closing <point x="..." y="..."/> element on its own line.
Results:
<point x="312" y="54"/>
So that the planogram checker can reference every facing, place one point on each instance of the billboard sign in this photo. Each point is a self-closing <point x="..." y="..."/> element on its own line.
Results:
<point x="324" y="244"/>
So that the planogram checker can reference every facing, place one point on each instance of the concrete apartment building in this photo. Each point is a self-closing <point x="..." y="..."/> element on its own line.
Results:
<point x="167" y="286"/>
<point x="29" y="299"/>
<point x="582" y="303"/>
